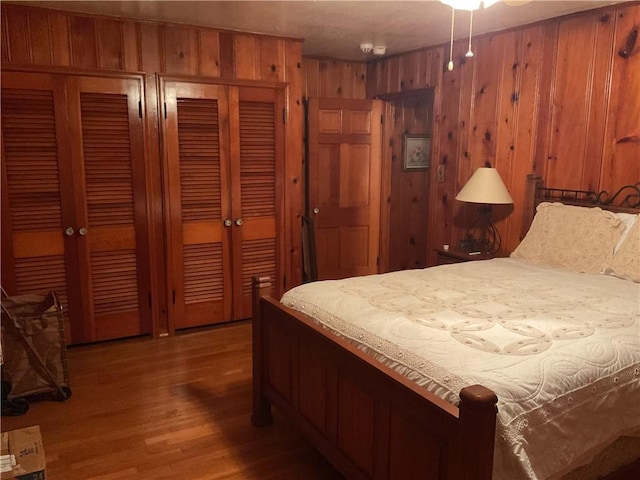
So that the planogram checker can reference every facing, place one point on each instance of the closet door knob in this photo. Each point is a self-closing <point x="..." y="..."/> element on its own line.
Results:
<point x="227" y="222"/>
<point x="82" y="231"/>
<point x="316" y="211"/>
<point x="238" y="221"/>
<point x="69" y="231"/>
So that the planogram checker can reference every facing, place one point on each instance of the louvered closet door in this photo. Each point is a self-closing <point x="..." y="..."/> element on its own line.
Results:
<point x="196" y="146"/>
<point x="36" y="182"/>
<point x="111" y="216"/>
<point x="256" y="156"/>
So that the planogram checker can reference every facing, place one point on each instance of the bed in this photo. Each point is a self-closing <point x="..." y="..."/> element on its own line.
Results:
<point x="521" y="367"/>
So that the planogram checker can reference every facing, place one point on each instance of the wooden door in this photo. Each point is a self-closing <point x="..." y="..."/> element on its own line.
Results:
<point x="74" y="199"/>
<point x="198" y="203"/>
<point x="37" y="205"/>
<point x="108" y="161"/>
<point x="257" y="143"/>
<point x="344" y="185"/>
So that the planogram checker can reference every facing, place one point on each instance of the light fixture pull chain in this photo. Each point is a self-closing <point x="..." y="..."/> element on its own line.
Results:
<point x="469" y="53"/>
<point x="450" y="64"/>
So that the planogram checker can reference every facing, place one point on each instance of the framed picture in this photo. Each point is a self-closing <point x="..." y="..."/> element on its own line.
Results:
<point x="417" y="152"/>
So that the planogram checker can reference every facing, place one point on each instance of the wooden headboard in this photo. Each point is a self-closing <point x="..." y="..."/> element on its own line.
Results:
<point x="626" y="199"/>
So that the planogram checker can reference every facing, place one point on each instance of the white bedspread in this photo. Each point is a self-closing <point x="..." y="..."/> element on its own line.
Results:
<point x="560" y="349"/>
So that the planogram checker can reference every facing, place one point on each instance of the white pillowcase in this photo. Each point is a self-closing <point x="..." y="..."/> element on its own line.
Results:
<point x="628" y="219"/>
<point x="581" y="239"/>
<point x="626" y="261"/>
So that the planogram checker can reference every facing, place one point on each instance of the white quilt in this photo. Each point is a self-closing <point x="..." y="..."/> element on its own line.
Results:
<point x="560" y="349"/>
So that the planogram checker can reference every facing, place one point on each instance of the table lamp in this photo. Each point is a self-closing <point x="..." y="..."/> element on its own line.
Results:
<point x="486" y="188"/>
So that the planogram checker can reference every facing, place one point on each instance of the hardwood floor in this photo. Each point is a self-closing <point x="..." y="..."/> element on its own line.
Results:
<point x="168" y="408"/>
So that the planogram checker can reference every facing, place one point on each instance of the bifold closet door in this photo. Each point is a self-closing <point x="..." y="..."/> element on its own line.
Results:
<point x="196" y="149"/>
<point x="257" y="146"/>
<point x="223" y="148"/>
<point x="74" y="201"/>
<point x="110" y="205"/>
<point x="37" y="205"/>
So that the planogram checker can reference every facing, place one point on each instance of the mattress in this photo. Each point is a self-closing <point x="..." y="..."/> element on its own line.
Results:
<point x="560" y="349"/>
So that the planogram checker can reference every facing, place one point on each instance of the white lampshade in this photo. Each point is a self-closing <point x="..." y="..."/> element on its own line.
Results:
<point x="485" y="186"/>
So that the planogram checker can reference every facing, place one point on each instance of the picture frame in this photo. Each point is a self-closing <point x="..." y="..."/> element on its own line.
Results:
<point x="417" y="152"/>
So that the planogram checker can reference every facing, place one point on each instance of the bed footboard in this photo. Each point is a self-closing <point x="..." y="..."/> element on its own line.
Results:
<point x="365" y="418"/>
<point x="261" y="406"/>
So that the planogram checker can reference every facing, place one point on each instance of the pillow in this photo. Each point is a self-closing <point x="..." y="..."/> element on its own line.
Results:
<point x="577" y="238"/>
<point x="626" y="261"/>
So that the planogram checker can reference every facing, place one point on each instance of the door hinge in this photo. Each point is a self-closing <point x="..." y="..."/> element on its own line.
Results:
<point x="382" y="119"/>
<point x="165" y="110"/>
<point x="149" y="299"/>
<point x="174" y="297"/>
<point x="284" y="115"/>
<point x="140" y="108"/>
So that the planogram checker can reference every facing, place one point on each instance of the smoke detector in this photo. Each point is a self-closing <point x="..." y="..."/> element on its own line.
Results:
<point x="379" y="50"/>
<point x="366" y="47"/>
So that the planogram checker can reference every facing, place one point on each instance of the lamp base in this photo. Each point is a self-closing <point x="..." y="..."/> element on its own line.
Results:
<point x="483" y="236"/>
<point x="469" y="244"/>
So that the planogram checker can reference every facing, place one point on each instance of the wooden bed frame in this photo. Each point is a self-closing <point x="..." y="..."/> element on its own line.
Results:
<point x="365" y="418"/>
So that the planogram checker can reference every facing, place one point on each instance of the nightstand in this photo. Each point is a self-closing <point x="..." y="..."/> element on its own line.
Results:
<point x="458" y="255"/>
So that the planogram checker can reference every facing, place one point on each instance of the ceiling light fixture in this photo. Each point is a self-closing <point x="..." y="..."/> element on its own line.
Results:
<point x="469" y="5"/>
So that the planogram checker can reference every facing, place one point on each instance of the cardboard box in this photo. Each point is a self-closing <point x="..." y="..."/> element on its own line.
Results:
<point x="23" y="454"/>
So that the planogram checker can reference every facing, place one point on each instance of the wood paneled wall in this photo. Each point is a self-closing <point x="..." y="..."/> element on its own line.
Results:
<point x="407" y="199"/>
<point x="554" y="98"/>
<point x="330" y="78"/>
<point x="42" y="37"/>
<point x="403" y="73"/>
<point x="51" y="40"/>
